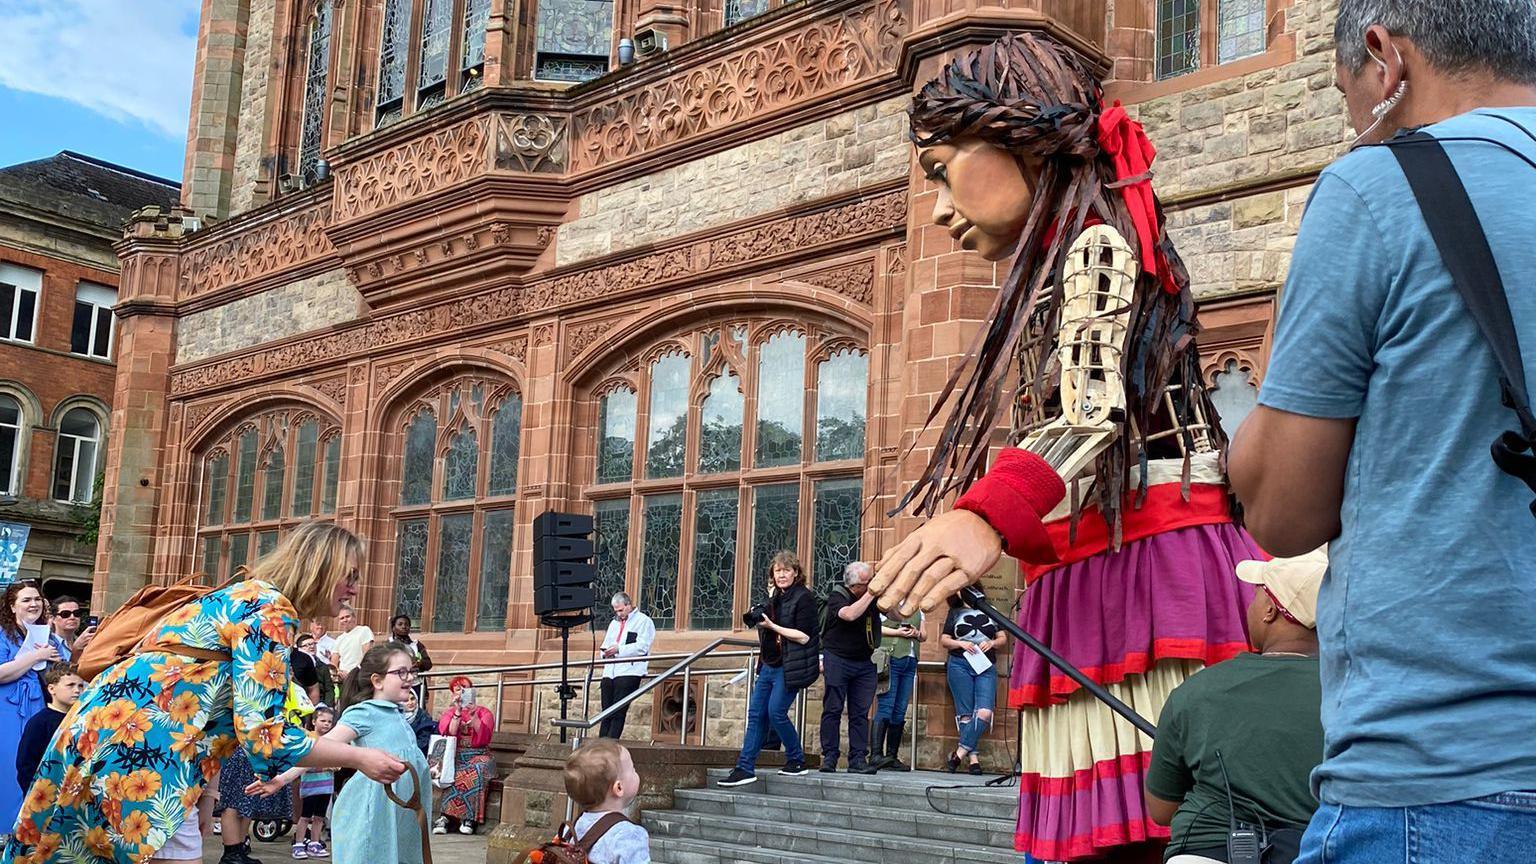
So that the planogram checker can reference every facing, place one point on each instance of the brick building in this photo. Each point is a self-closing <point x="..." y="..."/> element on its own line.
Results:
<point x="58" y="283"/>
<point x="454" y="282"/>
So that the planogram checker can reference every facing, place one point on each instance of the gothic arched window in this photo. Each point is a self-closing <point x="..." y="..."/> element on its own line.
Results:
<point x="573" y="40"/>
<point x="260" y="479"/>
<point x="316" y="83"/>
<point x="446" y="58"/>
<point x="459" y="446"/>
<point x="726" y="445"/>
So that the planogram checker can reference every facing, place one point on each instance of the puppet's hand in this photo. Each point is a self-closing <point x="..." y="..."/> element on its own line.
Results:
<point x="951" y="551"/>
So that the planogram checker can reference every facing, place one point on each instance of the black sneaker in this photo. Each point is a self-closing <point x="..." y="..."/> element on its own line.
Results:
<point x="793" y="769"/>
<point x="827" y="767"/>
<point x="862" y="768"/>
<point x="738" y="777"/>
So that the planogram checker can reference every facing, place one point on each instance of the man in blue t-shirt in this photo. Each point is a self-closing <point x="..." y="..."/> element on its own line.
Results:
<point x="1376" y="415"/>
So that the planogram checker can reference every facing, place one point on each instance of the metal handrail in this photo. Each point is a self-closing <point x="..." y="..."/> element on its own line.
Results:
<point x="684" y="665"/>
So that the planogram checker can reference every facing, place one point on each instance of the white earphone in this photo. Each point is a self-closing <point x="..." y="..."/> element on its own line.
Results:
<point x="1385" y="106"/>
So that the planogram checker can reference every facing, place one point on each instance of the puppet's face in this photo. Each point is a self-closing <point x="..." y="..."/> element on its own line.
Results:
<point x="985" y="193"/>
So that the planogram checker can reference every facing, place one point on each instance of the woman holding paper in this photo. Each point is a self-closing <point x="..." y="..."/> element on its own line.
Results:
<point x="972" y="640"/>
<point x="24" y="644"/>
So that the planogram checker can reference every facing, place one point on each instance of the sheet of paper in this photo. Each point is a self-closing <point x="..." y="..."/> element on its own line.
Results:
<point x="37" y="637"/>
<point x="978" y="660"/>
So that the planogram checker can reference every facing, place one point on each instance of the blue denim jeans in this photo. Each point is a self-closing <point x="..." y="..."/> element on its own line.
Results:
<point x="972" y="692"/>
<point x="770" y="705"/>
<point x="1498" y="829"/>
<point x="892" y="705"/>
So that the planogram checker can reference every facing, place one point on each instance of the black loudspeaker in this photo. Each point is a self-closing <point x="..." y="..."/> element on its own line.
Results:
<point x="562" y="563"/>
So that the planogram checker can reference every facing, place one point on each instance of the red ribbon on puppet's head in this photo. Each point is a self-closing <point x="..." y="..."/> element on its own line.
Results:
<point x="1130" y="150"/>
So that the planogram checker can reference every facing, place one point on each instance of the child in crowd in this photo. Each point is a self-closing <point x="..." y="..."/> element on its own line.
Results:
<point x="601" y="778"/>
<point x="316" y="786"/>
<point x="371" y="716"/>
<point x="64" y="686"/>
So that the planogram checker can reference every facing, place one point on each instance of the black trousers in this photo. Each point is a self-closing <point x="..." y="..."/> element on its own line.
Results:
<point x="616" y="690"/>
<point x="849" y="683"/>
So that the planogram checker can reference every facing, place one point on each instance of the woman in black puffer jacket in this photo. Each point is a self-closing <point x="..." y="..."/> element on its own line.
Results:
<point x="791" y="650"/>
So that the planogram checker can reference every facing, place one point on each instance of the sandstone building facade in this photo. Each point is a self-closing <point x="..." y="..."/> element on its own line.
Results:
<point x="455" y="265"/>
<point x="58" y="283"/>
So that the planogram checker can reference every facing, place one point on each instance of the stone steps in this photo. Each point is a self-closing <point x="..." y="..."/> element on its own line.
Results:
<point x="838" y="818"/>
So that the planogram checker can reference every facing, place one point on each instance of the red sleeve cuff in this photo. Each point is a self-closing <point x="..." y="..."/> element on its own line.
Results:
<point x="1013" y="496"/>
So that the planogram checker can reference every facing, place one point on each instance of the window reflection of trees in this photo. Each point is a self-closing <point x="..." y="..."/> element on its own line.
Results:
<point x="718" y="449"/>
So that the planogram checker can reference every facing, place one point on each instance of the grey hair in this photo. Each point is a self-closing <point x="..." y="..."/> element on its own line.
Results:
<point x="621" y="597"/>
<point x="855" y="570"/>
<point x="1456" y="36"/>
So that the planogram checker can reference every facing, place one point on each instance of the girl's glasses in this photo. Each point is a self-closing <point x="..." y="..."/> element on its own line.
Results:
<point x="405" y="675"/>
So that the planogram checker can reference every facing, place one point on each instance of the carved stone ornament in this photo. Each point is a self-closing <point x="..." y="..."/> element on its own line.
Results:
<point x="583" y="336"/>
<point x="197" y="412"/>
<point x="896" y="260"/>
<point x="516" y="347"/>
<point x="822" y="57"/>
<point x="867" y="217"/>
<point x="413" y="169"/>
<point x="334" y="389"/>
<point x="854" y="281"/>
<point x="531" y="143"/>
<point x="388" y="372"/>
<point x="262" y="250"/>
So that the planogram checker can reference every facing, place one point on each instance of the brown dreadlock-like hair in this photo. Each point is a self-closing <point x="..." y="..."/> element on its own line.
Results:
<point x="1032" y="96"/>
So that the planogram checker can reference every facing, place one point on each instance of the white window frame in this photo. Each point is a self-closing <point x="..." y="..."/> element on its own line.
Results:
<point x="101" y="299"/>
<point x="75" y="442"/>
<point x="22" y="280"/>
<point x="21" y="428"/>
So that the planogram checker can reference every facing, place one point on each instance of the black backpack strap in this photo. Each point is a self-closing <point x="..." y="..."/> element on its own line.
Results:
<point x="598" y="829"/>
<point x="1463" y="246"/>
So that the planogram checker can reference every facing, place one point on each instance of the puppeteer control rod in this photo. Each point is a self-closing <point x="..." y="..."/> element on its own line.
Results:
<point x="976" y="599"/>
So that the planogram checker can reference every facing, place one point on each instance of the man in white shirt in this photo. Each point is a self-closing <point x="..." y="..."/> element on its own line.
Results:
<point x="630" y="634"/>
<point x="353" y="643"/>
<point x="325" y="643"/>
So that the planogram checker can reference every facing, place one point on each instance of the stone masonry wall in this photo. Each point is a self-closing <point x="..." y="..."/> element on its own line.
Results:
<point x="251" y="130"/>
<point x="1274" y="122"/>
<point x="841" y="153"/>
<point x="308" y="304"/>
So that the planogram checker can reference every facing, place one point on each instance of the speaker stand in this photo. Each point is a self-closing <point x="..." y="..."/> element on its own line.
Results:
<point x="565" y="624"/>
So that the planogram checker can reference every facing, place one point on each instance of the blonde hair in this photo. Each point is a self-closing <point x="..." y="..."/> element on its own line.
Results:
<point x="592" y="770"/>
<point x="309" y="563"/>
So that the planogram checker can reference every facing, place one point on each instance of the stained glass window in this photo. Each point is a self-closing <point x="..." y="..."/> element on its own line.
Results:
<point x="304" y="469"/>
<point x="210" y="566"/>
<point x="495" y="571"/>
<point x="610" y="535"/>
<point x="834" y="531"/>
<point x="218" y="486"/>
<point x="272" y="484"/>
<point x="332" y="475"/>
<point x="661" y="547"/>
<point x="396" y="30"/>
<point x="436" y="27"/>
<point x="714" y="559"/>
<point x="780" y="399"/>
<point x="1241" y="29"/>
<point x="1178" y="37"/>
<point x="737" y="11"/>
<point x="420" y="439"/>
<point x="616" y="437"/>
<point x="245" y="476"/>
<point x="461" y="465"/>
<point x="842" y="388"/>
<point x="452" y="573"/>
<point x="266" y="541"/>
<point x="1234" y="395"/>
<point x="410" y="566"/>
<point x="477" y="14"/>
<point x="239" y="551"/>
<point x="666" y="445"/>
<point x="574" y="39"/>
<point x="775" y="526"/>
<point x="506" y="428"/>
<point x="315" y="85"/>
<point x="720" y="426"/>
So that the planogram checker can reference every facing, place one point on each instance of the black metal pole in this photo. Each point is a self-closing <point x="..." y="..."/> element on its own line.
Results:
<point x="565" y="672"/>
<point x="976" y="599"/>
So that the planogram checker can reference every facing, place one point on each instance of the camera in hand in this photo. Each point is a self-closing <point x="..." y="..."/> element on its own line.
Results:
<point x="754" y="616"/>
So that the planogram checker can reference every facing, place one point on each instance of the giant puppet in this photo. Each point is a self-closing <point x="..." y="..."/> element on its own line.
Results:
<point x="1112" y="493"/>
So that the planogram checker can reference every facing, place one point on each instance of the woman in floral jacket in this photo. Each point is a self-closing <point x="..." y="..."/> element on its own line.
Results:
<point x="133" y="755"/>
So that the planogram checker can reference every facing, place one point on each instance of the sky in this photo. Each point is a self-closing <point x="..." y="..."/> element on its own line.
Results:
<point x="108" y="78"/>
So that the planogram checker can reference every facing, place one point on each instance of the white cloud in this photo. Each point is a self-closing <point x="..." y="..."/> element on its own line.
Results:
<point x="125" y="59"/>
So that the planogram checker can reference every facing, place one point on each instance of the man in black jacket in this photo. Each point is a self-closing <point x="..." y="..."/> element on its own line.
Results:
<point x="849" y="637"/>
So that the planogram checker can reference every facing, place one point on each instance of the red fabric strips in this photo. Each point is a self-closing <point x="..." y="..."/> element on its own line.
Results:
<point x="1132" y="153"/>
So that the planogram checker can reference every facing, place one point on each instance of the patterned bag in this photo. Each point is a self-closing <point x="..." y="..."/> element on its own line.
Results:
<point x="566" y="849"/>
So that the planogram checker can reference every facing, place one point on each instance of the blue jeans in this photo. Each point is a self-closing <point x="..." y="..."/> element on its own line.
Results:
<point x="1498" y="829"/>
<point x="771" y="701"/>
<point x="973" y="693"/>
<point x="892" y="705"/>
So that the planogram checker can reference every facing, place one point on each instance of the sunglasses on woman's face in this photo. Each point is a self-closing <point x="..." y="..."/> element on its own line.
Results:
<point x="67" y="613"/>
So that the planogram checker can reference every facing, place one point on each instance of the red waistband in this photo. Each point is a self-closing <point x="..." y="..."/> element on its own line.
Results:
<point x="1164" y="510"/>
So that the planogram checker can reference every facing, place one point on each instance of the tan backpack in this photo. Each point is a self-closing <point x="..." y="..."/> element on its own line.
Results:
<point x="566" y="849"/>
<point x="119" y="635"/>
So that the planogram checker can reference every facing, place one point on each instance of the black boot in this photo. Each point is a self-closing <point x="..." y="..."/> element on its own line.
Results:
<point x="878" y="755"/>
<point x="893" y="736"/>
